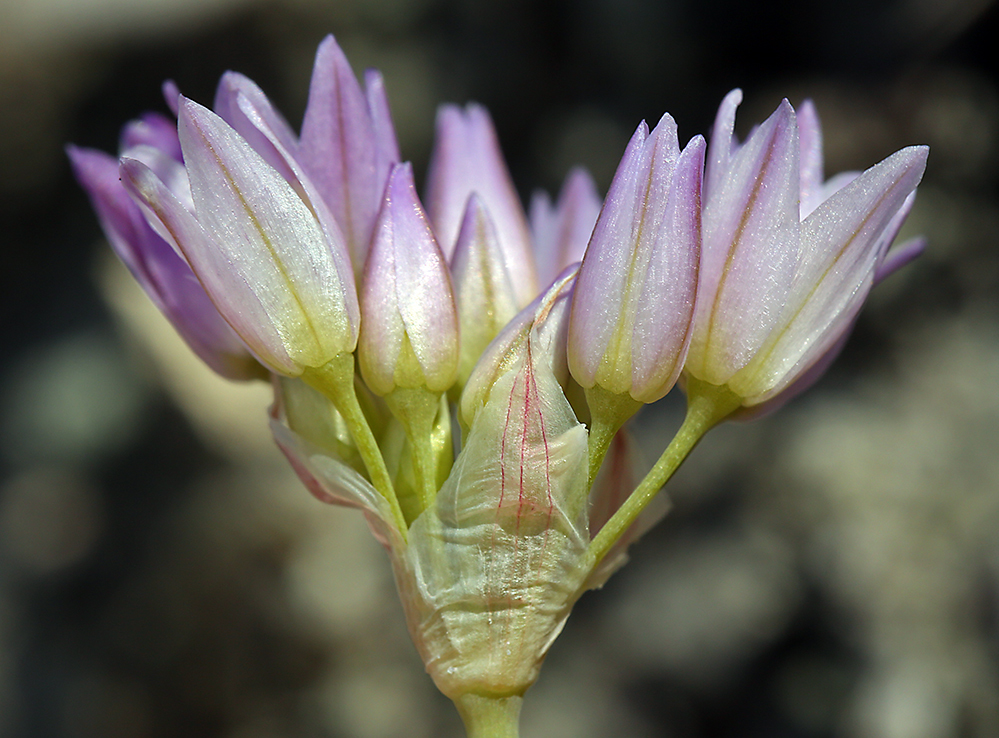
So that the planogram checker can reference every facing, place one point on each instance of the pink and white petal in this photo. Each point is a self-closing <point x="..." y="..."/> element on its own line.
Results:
<point x="171" y="95"/>
<point x="152" y="129"/>
<point x="561" y="232"/>
<point x="812" y="170"/>
<point x="898" y="257"/>
<point x="235" y="97"/>
<point x="407" y="294"/>
<point x="662" y="327"/>
<point x="602" y="284"/>
<point x="266" y="239"/>
<point x="467" y="159"/>
<point x="293" y="171"/>
<point x="723" y="145"/>
<point x="751" y="250"/>
<point x="250" y="319"/>
<point x="338" y="149"/>
<point x="841" y="252"/>
<point x="385" y="143"/>
<point x="484" y="290"/>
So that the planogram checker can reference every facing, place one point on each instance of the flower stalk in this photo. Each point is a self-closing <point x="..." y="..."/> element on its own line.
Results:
<point x="490" y="717"/>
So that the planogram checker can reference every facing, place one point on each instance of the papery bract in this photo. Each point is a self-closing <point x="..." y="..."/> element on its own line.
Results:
<point x="493" y="568"/>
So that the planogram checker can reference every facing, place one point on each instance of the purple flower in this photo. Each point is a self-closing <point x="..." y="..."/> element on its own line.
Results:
<point x="788" y="258"/>
<point x="161" y="272"/>
<point x="561" y="231"/>
<point x="466" y="159"/>
<point x="268" y="253"/>
<point x="409" y="333"/>
<point x="348" y="145"/>
<point x="634" y="296"/>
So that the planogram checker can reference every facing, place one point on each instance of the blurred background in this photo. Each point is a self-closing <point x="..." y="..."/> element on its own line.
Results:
<point x="831" y="571"/>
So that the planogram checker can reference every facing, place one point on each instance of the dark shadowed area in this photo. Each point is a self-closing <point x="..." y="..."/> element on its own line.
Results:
<point x="831" y="571"/>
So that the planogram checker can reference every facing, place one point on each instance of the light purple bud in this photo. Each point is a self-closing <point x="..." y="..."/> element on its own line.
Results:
<point x="409" y="331"/>
<point x="245" y="107"/>
<point x="160" y="271"/>
<point x="561" y="232"/>
<point x="348" y="145"/>
<point x="264" y="255"/>
<point x="154" y="130"/>
<point x="484" y="284"/>
<point x="783" y="282"/>
<point x="751" y="243"/>
<point x="634" y="297"/>
<point x="466" y="159"/>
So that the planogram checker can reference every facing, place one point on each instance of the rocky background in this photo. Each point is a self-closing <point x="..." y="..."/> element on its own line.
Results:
<point x="829" y="572"/>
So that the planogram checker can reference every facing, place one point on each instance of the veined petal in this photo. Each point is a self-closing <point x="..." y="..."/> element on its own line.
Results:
<point x="659" y="343"/>
<point x="290" y="167"/>
<point x="409" y="335"/>
<point x="483" y="285"/>
<point x="245" y="107"/>
<point x="170" y="171"/>
<point x="386" y="147"/>
<point x="890" y="232"/>
<point x="163" y="275"/>
<point x="842" y="247"/>
<point x="347" y="146"/>
<point x="171" y="95"/>
<point x="561" y="232"/>
<point x="751" y="250"/>
<point x="466" y="159"/>
<point x="898" y="257"/>
<point x="252" y="324"/>
<point x="261" y="254"/>
<point x="607" y="265"/>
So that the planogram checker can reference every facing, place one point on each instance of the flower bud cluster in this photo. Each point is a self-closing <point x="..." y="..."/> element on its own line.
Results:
<point x="733" y="268"/>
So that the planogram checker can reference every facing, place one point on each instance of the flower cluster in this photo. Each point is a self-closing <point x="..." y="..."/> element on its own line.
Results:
<point x="388" y="329"/>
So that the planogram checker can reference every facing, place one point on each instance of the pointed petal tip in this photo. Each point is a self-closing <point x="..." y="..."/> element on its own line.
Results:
<point x="373" y="78"/>
<point x="696" y="145"/>
<point x="171" y="94"/>
<point x="401" y="177"/>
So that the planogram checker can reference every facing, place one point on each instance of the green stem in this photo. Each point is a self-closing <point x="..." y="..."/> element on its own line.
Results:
<point x="608" y="412"/>
<point x="416" y="409"/>
<point x="707" y="405"/>
<point x="336" y="381"/>
<point x="490" y="717"/>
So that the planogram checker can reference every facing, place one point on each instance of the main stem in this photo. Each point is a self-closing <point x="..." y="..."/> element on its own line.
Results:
<point x="490" y="717"/>
<point x="707" y="405"/>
